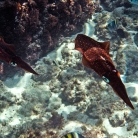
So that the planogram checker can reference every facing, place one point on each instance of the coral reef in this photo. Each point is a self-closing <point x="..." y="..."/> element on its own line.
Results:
<point x="31" y="134"/>
<point x="6" y="99"/>
<point x="55" y="122"/>
<point x="36" y="26"/>
<point x="96" y="132"/>
<point x="111" y="5"/>
<point x="69" y="83"/>
<point x="67" y="97"/>
<point x="73" y="92"/>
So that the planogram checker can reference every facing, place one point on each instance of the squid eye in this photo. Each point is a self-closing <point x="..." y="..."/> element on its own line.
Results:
<point x="105" y="79"/>
<point x="13" y="64"/>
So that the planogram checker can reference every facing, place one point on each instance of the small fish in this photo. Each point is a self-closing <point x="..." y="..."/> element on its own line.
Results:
<point x="96" y="56"/>
<point x="72" y="135"/>
<point x="133" y="1"/>
<point x="112" y="25"/>
<point x="7" y="54"/>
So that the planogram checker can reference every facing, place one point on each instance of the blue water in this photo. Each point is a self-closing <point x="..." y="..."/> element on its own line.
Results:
<point x="134" y="1"/>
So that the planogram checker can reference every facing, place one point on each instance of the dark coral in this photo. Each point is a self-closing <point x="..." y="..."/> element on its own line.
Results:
<point x="32" y="134"/>
<point x="36" y="26"/>
<point x="56" y="121"/>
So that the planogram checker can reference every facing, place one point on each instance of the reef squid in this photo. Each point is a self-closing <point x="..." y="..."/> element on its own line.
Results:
<point x="7" y="54"/>
<point x="96" y="56"/>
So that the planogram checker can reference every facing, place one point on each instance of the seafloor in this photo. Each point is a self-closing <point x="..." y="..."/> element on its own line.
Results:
<point x="66" y="96"/>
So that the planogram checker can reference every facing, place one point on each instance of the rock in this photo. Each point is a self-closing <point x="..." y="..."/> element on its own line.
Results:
<point x="130" y="126"/>
<point x="54" y="103"/>
<point x="119" y="11"/>
<point x="131" y="91"/>
<point x="117" y="120"/>
<point x="36" y="95"/>
<point x="116" y="123"/>
<point x="122" y="33"/>
<point x="136" y="39"/>
<point x="136" y="133"/>
<point x="134" y="99"/>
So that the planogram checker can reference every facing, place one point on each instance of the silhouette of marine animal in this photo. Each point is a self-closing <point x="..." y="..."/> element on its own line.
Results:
<point x="96" y="56"/>
<point x="7" y="54"/>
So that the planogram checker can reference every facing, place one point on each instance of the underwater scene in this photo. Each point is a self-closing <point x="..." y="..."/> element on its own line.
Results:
<point x="68" y="68"/>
